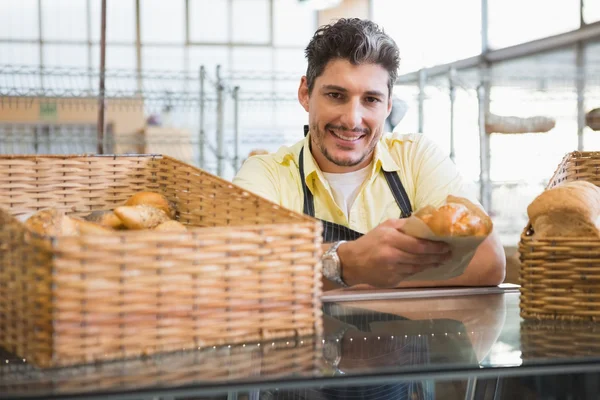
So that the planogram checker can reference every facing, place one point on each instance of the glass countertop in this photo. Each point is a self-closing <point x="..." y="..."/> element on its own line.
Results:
<point x="425" y="335"/>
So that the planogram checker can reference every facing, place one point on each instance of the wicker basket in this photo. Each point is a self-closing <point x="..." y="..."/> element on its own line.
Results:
<point x="247" y="269"/>
<point x="559" y="339"/>
<point x="560" y="277"/>
<point x="242" y="362"/>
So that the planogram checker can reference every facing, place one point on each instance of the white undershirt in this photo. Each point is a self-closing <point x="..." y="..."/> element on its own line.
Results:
<point x="345" y="187"/>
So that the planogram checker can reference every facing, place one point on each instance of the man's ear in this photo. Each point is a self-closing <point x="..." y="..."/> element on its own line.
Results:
<point x="389" y="106"/>
<point x="303" y="93"/>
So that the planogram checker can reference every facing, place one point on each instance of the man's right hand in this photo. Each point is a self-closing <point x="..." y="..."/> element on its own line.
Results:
<point x="386" y="256"/>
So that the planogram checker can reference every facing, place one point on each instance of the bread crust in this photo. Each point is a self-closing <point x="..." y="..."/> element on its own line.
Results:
<point x="153" y="199"/>
<point x="458" y="217"/>
<point x="570" y="209"/>
<point x="141" y="216"/>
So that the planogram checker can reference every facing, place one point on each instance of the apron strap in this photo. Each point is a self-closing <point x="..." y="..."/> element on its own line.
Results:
<point x="309" y="202"/>
<point x="393" y="180"/>
<point x="333" y="232"/>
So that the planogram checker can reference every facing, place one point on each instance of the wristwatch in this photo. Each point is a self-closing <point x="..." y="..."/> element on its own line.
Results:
<point x="332" y="267"/>
<point x="332" y="352"/>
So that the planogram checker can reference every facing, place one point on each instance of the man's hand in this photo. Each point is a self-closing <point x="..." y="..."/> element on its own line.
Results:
<point x="386" y="256"/>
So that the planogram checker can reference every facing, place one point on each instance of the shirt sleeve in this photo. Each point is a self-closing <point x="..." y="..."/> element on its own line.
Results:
<point x="437" y="176"/>
<point x="259" y="177"/>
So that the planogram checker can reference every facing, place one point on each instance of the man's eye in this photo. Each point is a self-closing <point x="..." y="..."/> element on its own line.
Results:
<point x="372" y="100"/>
<point x="334" y="95"/>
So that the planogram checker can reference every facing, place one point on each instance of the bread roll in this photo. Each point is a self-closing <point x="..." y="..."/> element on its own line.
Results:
<point x="105" y="218"/>
<point x="171" y="226"/>
<point x="570" y="209"/>
<point x="152" y="199"/>
<point x="51" y="222"/>
<point x="458" y="217"/>
<point x="91" y="228"/>
<point x="141" y="216"/>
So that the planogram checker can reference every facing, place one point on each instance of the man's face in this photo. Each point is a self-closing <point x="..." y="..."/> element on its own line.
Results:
<point x="346" y="110"/>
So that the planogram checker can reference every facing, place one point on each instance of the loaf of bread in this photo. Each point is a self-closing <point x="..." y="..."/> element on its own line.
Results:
<point x="508" y="124"/>
<point x="592" y="119"/>
<point x="171" y="226"/>
<point x="570" y="209"/>
<point x="51" y="222"/>
<point x="153" y="199"/>
<point x="458" y="217"/>
<point x="141" y="216"/>
<point x="105" y="218"/>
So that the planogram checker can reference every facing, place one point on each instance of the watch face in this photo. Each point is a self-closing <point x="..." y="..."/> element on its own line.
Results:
<point x="329" y="267"/>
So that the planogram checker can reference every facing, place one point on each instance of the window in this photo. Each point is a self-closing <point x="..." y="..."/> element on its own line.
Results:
<point x="591" y="11"/>
<point x="61" y="55"/>
<point x="20" y="54"/>
<point x="120" y="20"/>
<point x="293" y="24"/>
<point x="162" y="58"/>
<point x="117" y="57"/>
<point x="19" y="19"/>
<point x="209" y="21"/>
<point x="515" y="21"/>
<point x="64" y="20"/>
<point x="425" y="33"/>
<point x="162" y="21"/>
<point x="210" y="57"/>
<point x="251" y="22"/>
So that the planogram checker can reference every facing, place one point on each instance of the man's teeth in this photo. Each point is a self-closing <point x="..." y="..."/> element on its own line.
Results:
<point x="344" y="137"/>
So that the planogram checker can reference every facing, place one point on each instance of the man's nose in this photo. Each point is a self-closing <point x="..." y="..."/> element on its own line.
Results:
<point x="352" y="114"/>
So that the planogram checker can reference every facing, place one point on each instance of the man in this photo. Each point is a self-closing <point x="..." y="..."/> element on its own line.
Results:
<point x="358" y="181"/>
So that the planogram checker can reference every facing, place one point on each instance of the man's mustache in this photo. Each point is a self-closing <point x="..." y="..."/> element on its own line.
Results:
<point x="343" y="128"/>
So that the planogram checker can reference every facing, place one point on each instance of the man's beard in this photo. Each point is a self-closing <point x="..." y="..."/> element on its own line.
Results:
<point x="319" y="139"/>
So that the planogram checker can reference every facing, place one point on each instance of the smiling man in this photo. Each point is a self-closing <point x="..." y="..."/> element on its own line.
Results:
<point x="360" y="181"/>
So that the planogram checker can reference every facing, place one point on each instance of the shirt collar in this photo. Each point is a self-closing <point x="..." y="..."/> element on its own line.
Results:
<point x="382" y="157"/>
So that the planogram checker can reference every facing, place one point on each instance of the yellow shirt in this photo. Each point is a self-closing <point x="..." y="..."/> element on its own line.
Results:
<point x="427" y="174"/>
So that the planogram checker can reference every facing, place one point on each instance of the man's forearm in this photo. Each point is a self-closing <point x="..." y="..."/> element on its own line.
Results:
<point x="487" y="268"/>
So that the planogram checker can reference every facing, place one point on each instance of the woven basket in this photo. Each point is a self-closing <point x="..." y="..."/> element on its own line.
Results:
<point x="557" y="339"/>
<point x="246" y="270"/>
<point x="560" y="277"/>
<point x="268" y="360"/>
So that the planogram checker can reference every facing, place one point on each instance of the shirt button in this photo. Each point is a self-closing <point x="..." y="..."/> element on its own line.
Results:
<point x="340" y="213"/>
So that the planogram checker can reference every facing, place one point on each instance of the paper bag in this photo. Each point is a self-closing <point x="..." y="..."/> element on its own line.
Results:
<point x="462" y="248"/>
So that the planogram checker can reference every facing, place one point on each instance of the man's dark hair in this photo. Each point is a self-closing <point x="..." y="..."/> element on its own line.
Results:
<point x="356" y="40"/>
